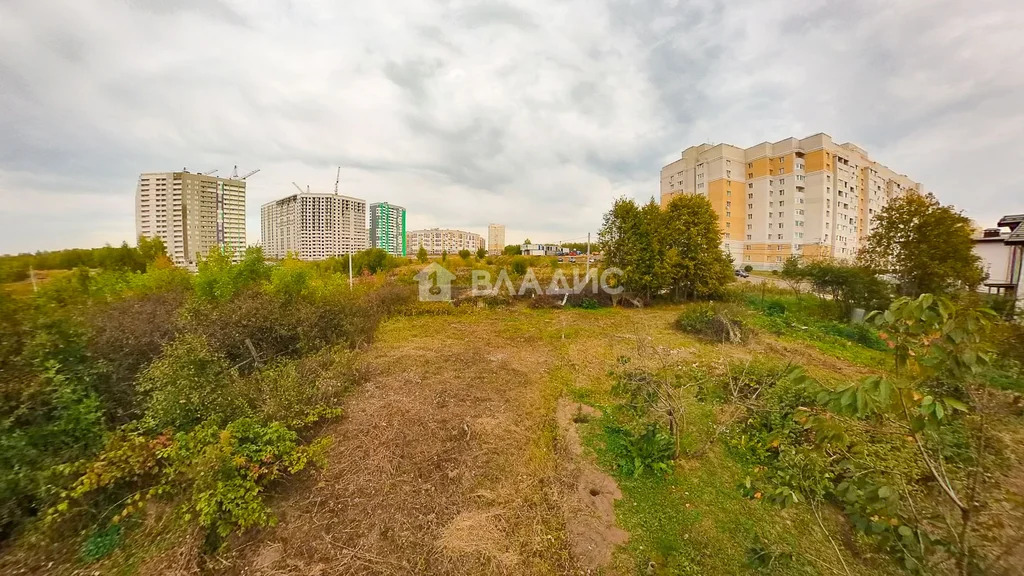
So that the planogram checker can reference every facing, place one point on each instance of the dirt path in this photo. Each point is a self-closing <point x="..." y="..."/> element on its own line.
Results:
<point x="444" y="463"/>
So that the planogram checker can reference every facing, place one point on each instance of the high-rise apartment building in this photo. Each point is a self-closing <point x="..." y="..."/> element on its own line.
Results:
<point x="495" y="239"/>
<point x="437" y="240"/>
<point x="387" y="228"/>
<point x="811" y="197"/>
<point x="191" y="213"/>
<point x="313" y="226"/>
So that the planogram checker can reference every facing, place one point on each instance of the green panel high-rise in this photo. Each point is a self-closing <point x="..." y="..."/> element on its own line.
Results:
<point x="387" y="228"/>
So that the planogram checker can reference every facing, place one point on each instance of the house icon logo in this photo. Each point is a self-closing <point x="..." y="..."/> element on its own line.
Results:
<point x="435" y="283"/>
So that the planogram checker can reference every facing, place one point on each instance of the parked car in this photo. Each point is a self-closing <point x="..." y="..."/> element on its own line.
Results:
<point x="742" y="273"/>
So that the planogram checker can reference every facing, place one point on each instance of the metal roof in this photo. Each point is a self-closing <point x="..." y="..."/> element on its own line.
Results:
<point x="1013" y="222"/>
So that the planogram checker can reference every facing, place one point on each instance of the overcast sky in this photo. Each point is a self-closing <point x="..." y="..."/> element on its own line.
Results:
<point x="533" y="114"/>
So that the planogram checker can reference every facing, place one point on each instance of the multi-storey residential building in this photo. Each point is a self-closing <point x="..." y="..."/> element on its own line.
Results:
<point x="437" y="240"/>
<point x="495" y="239"/>
<point x="191" y="213"/>
<point x="313" y="226"/>
<point x="387" y="228"/>
<point x="809" y="197"/>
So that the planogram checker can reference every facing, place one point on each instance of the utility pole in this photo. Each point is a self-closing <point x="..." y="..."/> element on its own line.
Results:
<point x="350" y="270"/>
<point x="587" y="276"/>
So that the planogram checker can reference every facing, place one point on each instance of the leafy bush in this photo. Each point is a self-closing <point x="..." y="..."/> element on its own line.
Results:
<point x="187" y="385"/>
<point x="712" y="321"/>
<point x="748" y="268"/>
<point x="636" y="453"/>
<point x="519" y="265"/>
<point x="222" y="472"/>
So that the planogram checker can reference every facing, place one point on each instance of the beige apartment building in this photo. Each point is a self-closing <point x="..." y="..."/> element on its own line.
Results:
<point x="437" y="240"/>
<point x="312" y="226"/>
<point x="191" y="213"/>
<point x="808" y="197"/>
<point x="495" y="239"/>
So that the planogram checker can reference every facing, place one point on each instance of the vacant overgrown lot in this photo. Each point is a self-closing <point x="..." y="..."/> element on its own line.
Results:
<point x="441" y="452"/>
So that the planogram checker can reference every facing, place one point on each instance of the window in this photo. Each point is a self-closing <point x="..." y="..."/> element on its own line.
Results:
<point x="750" y="206"/>
<point x="728" y="173"/>
<point x="782" y="203"/>
<point x="728" y="224"/>
<point x="749" y="237"/>
<point x="750" y="174"/>
<point x="750" y="196"/>
<point x="750" y="216"/>
<point x="782" y="180"/>
<point x="750" y="164"/>
<point x="728" y="215"/>
<point x="750" y="226"/>
<point x="750" y="185"/>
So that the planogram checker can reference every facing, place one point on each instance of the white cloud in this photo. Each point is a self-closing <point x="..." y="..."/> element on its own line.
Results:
<point x="534" y="114"/>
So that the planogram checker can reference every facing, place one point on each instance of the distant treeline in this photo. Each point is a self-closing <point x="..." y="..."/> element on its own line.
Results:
<point x="124" y="257"/>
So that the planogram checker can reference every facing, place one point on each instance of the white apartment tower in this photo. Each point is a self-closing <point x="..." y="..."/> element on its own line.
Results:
<point x="192" y="213"/>
<point x="807" y="197"/>
<point x="313" y="226"/>
<point x="495" y="239"/>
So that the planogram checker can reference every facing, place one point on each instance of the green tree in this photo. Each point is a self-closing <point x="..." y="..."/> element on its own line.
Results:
<point x="421" y="254"/>
<point x="444" y="255"/>
<point x="924" y="245"/>
<point x="935" y="394"/>
<point x="151" y="248"/>
<point x="512" y="250"/>
<point x="697" y="266"/>
<point x="632" y="240"/>
<point x="465" y="254"/>
<point x="481" y="253"/>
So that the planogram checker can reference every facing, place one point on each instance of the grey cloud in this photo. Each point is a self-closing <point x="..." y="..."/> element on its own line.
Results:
<point x="494" y="14"/>
<point x="536" y="114"/>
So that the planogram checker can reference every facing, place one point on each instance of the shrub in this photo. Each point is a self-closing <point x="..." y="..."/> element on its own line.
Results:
<point x="187" y="385"/>
<point x="715" y="322"/>
<point x="748" y="268"/>
<point x="636" y="453"/>
<point x="519" y="265"/>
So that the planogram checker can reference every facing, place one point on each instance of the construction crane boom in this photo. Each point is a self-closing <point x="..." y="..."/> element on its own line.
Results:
<point x="250" y="173"/>
<point x="297" y="187"/>
<point x="234" y="173"/>
<point x="211" y="172"/>
<point x="337" y="180"/>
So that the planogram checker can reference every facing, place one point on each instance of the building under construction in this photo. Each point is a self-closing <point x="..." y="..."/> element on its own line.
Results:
<point x="192" y="213"/>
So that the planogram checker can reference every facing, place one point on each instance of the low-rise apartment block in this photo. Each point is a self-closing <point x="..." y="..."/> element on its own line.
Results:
<point x="437" y="240"/>
<point x="808" y="197"/>
<point x="192" y="213"/>
<point x="313" y="226"/>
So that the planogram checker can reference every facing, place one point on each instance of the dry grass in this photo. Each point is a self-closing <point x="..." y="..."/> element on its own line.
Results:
<point x="443" y="464"/>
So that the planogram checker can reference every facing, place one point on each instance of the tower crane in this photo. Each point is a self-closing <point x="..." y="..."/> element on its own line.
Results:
<point x="250" y="173"/>
<point x="211" y="172"/>
<point x="337" y="179"/>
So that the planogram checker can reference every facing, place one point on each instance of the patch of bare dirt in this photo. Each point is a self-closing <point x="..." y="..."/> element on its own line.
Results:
<point x="439" y="466"/>
<point x="590" y="513"/>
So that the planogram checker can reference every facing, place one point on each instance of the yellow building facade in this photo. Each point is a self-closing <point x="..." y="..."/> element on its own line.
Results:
<point x="807" y="197"/>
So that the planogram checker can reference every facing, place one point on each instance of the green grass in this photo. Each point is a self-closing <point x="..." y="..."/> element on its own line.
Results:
<point x="697" y="521"/>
